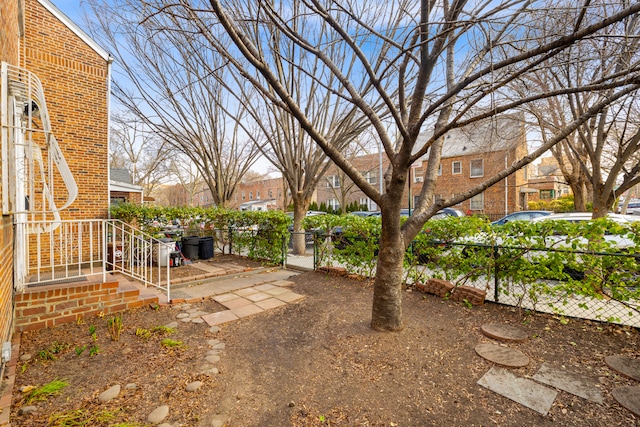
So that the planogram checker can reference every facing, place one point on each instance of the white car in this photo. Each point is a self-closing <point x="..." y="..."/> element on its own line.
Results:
<point x="621" y="242"/>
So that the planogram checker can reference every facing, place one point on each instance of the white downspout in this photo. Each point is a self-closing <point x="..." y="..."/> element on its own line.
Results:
<point x="506" y="185"/>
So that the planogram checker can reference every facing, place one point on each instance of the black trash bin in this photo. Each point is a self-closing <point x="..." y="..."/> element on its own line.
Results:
<point x="205" y="248"/>
<point x="190" y="246"/>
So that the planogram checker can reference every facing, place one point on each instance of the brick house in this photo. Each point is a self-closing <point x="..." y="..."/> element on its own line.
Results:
<point x="54" y="117"/>
<point x="121" y="188"/>
<point x="472" y="154"/>
<point x="469" y="156"/>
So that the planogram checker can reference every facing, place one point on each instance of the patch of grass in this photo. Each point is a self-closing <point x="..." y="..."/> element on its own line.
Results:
<point x="115" y="326"/>
<point x="94" y="350"/>
<point x="83" y="417"/>
<point x="92" y="332"/>
<point x="164" y="330"/>
<point x="143" y="333"/>
<point x="47" y="390"/>
<point x="169" y="343"/>
<point x="79" y="350"/>
<point x="49" y="353"/>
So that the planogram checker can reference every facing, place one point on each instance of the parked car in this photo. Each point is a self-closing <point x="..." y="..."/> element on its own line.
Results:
<point x="633" y="208"/>
<point x="521" y="216"/>
<point x="442" y="213"/>
<point x="365" y="214"/>
<point x="620" y="242"/>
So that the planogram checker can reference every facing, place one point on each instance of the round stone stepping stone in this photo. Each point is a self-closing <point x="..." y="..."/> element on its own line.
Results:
<point x="504" y="356"/>
<point x="624" y="365"/>
<point x="182" y="315"/>
<point x="197" y="320"/>
<point x="502" y="332"/>
<point x="629" y="397"/>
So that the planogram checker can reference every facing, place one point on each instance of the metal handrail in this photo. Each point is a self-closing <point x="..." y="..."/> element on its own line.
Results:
<point x="66" y="250"/>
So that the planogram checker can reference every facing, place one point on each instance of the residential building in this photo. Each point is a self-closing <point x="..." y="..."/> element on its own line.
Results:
<point x="470" y="155"/>
<point x="549" y="182"/>
<point x="54" y="117"/>
<point x="272" y="189"/>
<point x="337" y="190"/>
<point x="121" y="188"/>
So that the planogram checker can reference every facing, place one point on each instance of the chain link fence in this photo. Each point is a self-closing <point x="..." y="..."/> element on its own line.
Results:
<point x="602" y="286"/>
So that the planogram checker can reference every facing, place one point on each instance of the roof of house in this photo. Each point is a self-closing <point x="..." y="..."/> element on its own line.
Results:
<point x="494" y="134"/>
<point x="121" y="175"/>
<point x="76" y="29"/>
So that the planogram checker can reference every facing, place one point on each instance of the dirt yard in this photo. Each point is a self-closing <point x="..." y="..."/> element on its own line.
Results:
<point x="316" y="362"/>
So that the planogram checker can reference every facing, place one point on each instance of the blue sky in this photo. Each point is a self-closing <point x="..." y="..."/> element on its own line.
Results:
<point x="74" y="9"/>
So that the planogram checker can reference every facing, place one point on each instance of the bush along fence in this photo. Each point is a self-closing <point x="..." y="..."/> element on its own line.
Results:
<point x="258" y="235"/>
<point x="587" y="269"/>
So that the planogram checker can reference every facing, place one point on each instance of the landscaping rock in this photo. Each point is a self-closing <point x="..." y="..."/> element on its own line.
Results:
<point x="109" y="394"/>
<point x="131" y="386"/>
<point x="172" y="325"/>
<point x="25" y="357"/>
<point x="158" y="414"/>
<point x="214" y="329"/>
<point x="212" y="359"/>
<point x="194" y="386"/>
<point x="182" y="315"/>
<point x="26" y="410"/>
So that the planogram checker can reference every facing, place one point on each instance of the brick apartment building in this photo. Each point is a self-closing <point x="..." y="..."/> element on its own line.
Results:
<point x="75" y="73"/>
<point x="470" y="155"/>
<point x="272" y="189"/>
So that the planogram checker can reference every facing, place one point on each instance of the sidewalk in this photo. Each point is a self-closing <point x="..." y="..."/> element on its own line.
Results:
<point x="242" y="293"/>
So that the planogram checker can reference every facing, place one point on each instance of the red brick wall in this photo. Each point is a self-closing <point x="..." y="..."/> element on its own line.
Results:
<point x="54" y="305"/>
<point x="10" y="31"/>
<point x="9" y="52"/>
<point x="74" y="77"/>
<point x="275" y="185"/>
<point x="6" y="278"/>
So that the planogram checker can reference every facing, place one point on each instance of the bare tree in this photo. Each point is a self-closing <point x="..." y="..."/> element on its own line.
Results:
<point x="134" y="147"/>
<point x="188" y="176"/>
<point x="599" y="159"/>
<point x="177" y="97"/>
<point x="442" y="67"/>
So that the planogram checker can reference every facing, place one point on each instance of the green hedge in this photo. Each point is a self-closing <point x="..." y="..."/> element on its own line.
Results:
<point x="555" y="259"/>
<point x="259" y="234"/>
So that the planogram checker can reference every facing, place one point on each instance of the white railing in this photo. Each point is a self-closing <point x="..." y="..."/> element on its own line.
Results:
<point x="70" y="250"/>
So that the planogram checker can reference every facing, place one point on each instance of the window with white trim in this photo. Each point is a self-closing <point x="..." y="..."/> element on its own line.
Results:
<point x="417" y="174"/>
<point x="250" y="195"/>
<point x="371" y="177"/>
<point x="476" y="168"/>
<point x="477" y="202"/>
<point x="440" y="169"/>
<point x="456" y="168"/>
<point x="333" y="204"/>
<point x="258" y="194"/>
<point x="333" y="181"/>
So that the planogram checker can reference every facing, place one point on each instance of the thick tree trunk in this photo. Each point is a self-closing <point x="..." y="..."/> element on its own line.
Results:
<point x="387" y="299"/>
<point x="298" y="239"/>
<point x="600" y="205"/>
